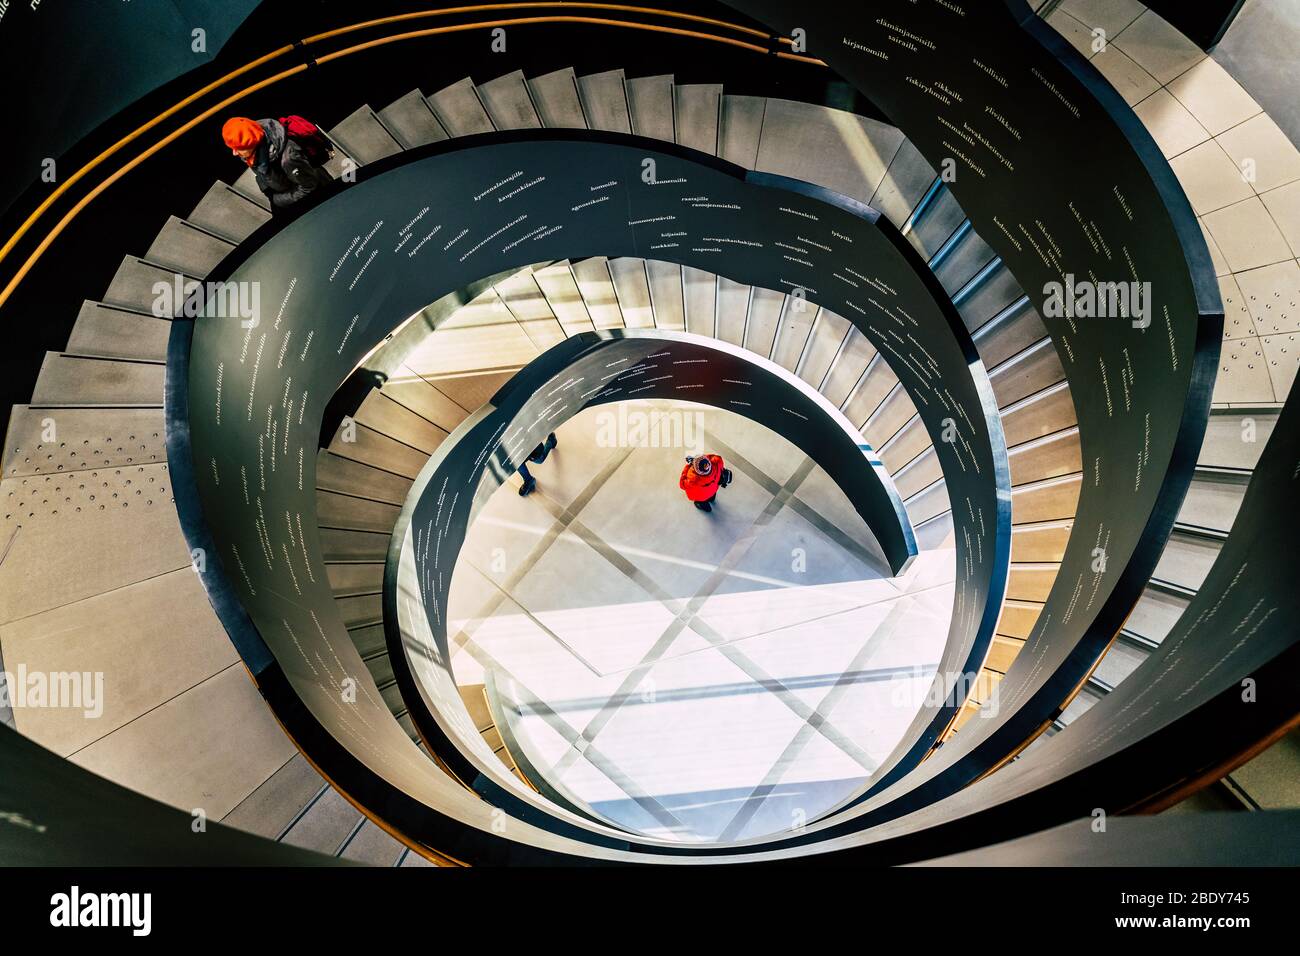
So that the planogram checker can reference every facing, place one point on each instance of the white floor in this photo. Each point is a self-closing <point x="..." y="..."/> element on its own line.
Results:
<point x="689" y="675"/>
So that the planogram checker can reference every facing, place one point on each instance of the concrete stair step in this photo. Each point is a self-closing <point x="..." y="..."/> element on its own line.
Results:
<point x="894" y="411"/>
<point x="1077" y="707"/>
<point x="1048" y="457"/>
<point x="697" y="110"/>
<point x="372" y="844"/>
<point x="1010" y="332"/>
<point x="1213" y="500"/>
<point x="666" y="302"/>
<point x="597" y="288"/>
<point x="527" y="303"/>
<point x="557" y="283"/>
<point x="480" y="336"/>
<point x="473" y="390"/>
<point x="987" y="294"/>
<point x="370" y="641"/>
<point x="354" y="578"/>
<point x="650" y="106"/>
<point x="383" y="415"/>
<point x="906" y="445"/>
<point x="933" y="226"/>
<point x="928" y="504"/>
<point x="1003" y="652"/>
<point x="848" y="368"/>
<point x="556" y="97"/>
<point x="1186" y="560"/>
<point x="459" y="110"/>
<point x="271" y="809"/>
<point x="414" y="393"/>
<point x="411" y="121"/>
<point x="699" y="298"/>
<point x="1031" y="371"/>
<point x="363" y="136"/>
<point x="960" y="258"/>
<point x="346" y="476"/>
<point x="740" y="127"/>
<point x="763" y="321"/>
<point x="1054" y="499"/>
<point x="67" y="441"/>
<point x="354" y="514"/>
<point x="185" y="248"/>
<point x="1018" y="618"/>
<point x="904" y="184"/>
<point x="118" y="333"/>
<point x="797" y="318"/>
<point x="1235" y="438"/>
<point x="379" y="451"/>
<point x="380" y="667"/>
<point x="508" y="103"/>
<point x="832" y="148"/>
<point x="82" y="380"/>
<point x="342" y="545"/>
<point x="164" y="619"/>
<point x="1039" y="414"/>
<point x="918" y="473"/>
<point x="1270" y="780"/>
<point x="227" y="213"/>
<point x="935" y="532"/>
<point x="1042" y="541"/>
<point x="732" y="305"/>
<point x="872" y="389"/>
<point x="363" y="610"/>
<point x="1155" y="614"/>
<point x="828" y="333"/>
<point x="1121" y="660"/>
<point x="133" y="286"/>
<point x="604" y="101"/>
<point x="325" y="825"/>
<point x="633" y="291"/>
<point x="60" y="554"/>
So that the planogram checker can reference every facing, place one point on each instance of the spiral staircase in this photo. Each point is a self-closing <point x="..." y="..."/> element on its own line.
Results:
<point x="96" y="573"/>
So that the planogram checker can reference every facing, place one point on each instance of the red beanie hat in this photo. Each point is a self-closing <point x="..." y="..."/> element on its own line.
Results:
<point x="242" y="133"/>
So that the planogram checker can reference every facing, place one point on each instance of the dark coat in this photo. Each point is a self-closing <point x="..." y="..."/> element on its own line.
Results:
<point x="284" y="173"/>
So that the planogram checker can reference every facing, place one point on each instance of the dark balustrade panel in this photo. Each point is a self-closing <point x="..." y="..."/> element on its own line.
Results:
<point x="1063" y="181"/>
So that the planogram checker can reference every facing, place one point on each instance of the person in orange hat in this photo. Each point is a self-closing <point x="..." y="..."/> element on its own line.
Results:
<point x="289" y="165"/>
<point x="243" y="136"/>
<point x="701" y="479"/>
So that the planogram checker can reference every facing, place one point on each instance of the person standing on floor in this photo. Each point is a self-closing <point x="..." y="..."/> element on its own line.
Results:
<point x="537" y="456"/>
<point x="701" y="479"/>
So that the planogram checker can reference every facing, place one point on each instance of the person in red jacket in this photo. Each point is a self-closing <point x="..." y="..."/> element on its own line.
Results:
<point x="701" y="479"/>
